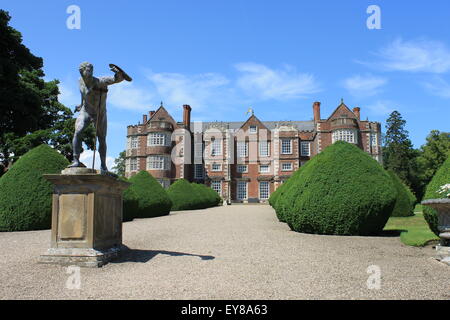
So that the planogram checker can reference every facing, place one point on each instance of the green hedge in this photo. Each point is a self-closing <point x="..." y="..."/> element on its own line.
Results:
<point x="279" y="193"/>
<point x="145" y="198"/>
<point x="207" y="196"/>
<point x="191" y="196"/>
<point x="441" y="177"/>
<point x="405" y="202"/>
<point x="25" y="196"/>
<point x="341" y="191"/>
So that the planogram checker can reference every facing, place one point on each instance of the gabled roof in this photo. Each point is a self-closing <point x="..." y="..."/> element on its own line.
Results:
<point x="344" y="107"/>
<point x="254" y="118"/>
<point x="162" y="111"/>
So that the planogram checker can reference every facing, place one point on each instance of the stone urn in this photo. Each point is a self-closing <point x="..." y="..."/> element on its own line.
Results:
<point x="442" y="206"/>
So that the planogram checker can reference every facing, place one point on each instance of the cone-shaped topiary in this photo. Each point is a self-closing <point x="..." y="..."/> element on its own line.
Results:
<point x="25" y="196"/>
<point x="184" y="196"/>
<point x="404" y="204"/>
<point x="341" y="191"/>
<point x="152" y="199"/>
<point x="440" y="178"/>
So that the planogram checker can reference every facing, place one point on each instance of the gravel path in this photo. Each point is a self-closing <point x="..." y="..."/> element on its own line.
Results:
<point x="233" y="252"/>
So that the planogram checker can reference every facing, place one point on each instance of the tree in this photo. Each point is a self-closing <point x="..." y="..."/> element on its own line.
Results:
<point x="398" y="153"/>
<point x="431" y="156"/>
<point x="119" y="164"/>
<point x="31" y="113"/>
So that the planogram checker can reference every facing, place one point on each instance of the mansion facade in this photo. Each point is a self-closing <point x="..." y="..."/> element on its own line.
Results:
<point x="242" y="161"/>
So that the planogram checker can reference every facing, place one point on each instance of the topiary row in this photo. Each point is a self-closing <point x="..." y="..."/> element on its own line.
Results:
<point x="192" y="196"/>
<point x="341" y="191"/>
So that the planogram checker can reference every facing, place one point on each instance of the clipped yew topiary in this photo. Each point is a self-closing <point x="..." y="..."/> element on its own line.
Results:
<point x="130" y="203"/>
<point x="152" y="199"/>
<point x="279" y="193"/>
<point x="184" y="196"/>
<point x="341" y="191"/>
<point x="207" y="197"/>
<point x="441" y="177"/>
<point x="404" y="204"/>
<point x="25" y="196"/>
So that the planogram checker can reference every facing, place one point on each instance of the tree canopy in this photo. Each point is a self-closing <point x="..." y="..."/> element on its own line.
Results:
<point x="31" y="113"/>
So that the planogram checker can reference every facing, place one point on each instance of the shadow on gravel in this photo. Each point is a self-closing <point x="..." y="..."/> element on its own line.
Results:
<point x="391" y="233"/>
<point x="143" y="256"/>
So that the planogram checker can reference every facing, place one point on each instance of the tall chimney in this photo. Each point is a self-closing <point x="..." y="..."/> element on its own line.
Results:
<point x="151" y="113"/>
<point x="316" y="110"/>
<point x="144" y="119"/>
<point x="357" y="113"/>
<point x="187" y="116"/>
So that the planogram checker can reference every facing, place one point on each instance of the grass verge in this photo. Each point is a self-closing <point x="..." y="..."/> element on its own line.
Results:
<point x="414" y="231"/>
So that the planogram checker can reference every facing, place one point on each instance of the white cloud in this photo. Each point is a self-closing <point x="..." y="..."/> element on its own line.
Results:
<point x="87" y="156"/>
<point x="260" y="81"/>
<point x="382" y="107"/>
<point x="200" y="90"/>
<point x="438" y="87"/>
<point x="126" y="95"/>
<point x="415" y="56"/>
<point x="364" y="86"/>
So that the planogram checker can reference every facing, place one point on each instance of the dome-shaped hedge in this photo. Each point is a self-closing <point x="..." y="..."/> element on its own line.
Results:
<point x="207" y="196"/>
<point x="130" y="203"/>
<point x="25" y="196"/>
<point x="152" y="199"/>
<point x="441" y="177"/>
<point x="279" y="193"/>
<point x="341" y="191"/>
<point x="192" y="196"/>
<point x="404" y="204"/>
<point x="184" y="196"/>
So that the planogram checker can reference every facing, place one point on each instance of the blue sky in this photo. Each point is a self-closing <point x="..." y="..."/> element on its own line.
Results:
<point x="278" y="57"/>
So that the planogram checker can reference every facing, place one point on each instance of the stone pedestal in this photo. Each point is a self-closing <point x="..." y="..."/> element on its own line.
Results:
<point x="442" y="207"/>
<point x="86" y="218"/>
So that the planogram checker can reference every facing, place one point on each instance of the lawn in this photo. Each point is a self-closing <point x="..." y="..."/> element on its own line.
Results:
<point x="414" y="230"/>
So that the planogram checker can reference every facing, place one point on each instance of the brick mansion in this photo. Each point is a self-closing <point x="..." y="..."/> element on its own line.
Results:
<point x="243" y="161"/>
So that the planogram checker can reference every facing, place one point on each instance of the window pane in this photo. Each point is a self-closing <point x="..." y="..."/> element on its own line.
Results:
<point x="264" y="190"/>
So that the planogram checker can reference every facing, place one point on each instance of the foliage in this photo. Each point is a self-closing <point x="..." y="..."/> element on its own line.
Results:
<point x="431" y="156"/>
<point x="208" y="197"/>
<point x="26" y="201"/>
<point x="398" y="153"/>
<point x="152" y="199"/>
<point x="405" y="202"/>
<point x="341" y="191"/>
<point x="279" y="193"/>
<point x="31" y="114"/>
<point x="130" y="203"/>
<point x="441" y="178"/>
<point x="414" y="231"/>
<point x="191" y="196"/>
<point x="119" y="164"/>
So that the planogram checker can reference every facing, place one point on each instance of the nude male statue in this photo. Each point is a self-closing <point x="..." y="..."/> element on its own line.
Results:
<point x="93" y="109"/>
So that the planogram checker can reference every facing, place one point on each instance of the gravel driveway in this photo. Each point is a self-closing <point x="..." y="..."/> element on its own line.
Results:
<point x="233" y="252"/>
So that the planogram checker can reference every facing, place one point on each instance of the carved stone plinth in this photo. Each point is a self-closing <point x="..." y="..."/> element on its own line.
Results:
<point x="86" y="218"/>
